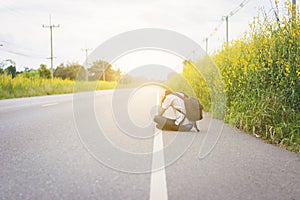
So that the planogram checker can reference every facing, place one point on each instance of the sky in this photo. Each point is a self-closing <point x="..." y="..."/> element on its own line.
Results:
<point x="88" y="23"/>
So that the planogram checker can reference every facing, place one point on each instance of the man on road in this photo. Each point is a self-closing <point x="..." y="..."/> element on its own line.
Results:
<point x="180" y="123"/>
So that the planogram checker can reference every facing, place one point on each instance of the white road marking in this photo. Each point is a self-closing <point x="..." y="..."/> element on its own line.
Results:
<point x="158" y="186"/>
<point x="49" y="104"/>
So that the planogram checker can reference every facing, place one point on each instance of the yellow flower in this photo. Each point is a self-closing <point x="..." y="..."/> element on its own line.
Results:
<point x="267" y="69"/>
<point x="287" y="3"/>
<point x="287" y="70"/>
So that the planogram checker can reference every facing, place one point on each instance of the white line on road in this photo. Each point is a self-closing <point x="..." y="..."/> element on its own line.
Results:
<point x="49" y="104"/>
<point x="158" y="186"/>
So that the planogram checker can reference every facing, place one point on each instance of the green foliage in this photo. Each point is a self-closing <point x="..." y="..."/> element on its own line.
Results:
<point x="102" y="70"/>
<point x="30" y="73"/>
<point x="197" y="81"/>
<point x="10" y="67"/>
<point x="177" y="82"/>
<point x="72" y="71"/>
<point x="44" y="72"/>
<point x="202" y="80"/>
<point x="261" y="78"/>
<point x="12" y="71"/>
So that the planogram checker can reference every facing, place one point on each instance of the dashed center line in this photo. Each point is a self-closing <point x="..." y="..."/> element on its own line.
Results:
<point x="49" y="104"/>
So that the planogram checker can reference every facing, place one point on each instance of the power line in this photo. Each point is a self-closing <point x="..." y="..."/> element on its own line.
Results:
<point x="18" y="12"/>
<point x="21" y="54"/>
<point x="216" y="28"/>
<point x="51" y="26"/>
<point x="233" y="12"/>
<point x="237" y="9"/>
<point x="10" y="9"/>
<point x="225" y="18"/>
<point x="11" y="45"/>
<point x="8" y="46"/>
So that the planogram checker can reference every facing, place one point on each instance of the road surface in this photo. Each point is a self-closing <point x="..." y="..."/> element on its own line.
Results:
<point x="44" y="155"/>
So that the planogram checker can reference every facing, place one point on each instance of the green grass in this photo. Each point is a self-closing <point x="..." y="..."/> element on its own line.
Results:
<point x="28" y="87"/>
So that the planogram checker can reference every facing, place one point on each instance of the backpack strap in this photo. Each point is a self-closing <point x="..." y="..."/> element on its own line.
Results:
<point x="195" y="125"/>
<point x="194" y="122"/>
<point x="181" y="97"/>
<point x="178" y="95"/>
<point x="181" y="113"/>
<point x="179" y="110"/>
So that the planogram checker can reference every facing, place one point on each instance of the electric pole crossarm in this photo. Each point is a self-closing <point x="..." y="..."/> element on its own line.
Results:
<point x="51" y="26"/>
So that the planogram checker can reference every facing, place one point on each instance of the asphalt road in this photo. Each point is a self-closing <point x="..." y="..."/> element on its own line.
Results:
<point x="53" y="148"/>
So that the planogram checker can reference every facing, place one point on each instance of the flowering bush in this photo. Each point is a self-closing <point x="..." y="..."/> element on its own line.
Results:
<point x="261" y="76"/>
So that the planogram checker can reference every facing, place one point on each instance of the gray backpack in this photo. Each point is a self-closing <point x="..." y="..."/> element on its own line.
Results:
<point x="194" y="109"/>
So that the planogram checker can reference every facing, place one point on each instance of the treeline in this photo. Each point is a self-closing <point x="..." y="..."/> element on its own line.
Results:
<point x="99" y="70"/>
<point x="67" y="78"/>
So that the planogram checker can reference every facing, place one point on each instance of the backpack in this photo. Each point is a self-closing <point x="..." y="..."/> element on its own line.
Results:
<point x="193" y="109"/>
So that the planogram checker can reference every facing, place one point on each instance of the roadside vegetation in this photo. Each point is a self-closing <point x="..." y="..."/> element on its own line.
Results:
<point x="67" y="78"/>
<point x="261" y="77"/>
<point x="21" y="86"/>
<point x="39" y="82"/>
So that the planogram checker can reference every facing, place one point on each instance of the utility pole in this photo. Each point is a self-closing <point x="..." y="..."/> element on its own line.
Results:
<point x="233" y="12"/>
<point x="226" y="18"/>
<point x="86" y="56"/>
<point x="51" y="26"/>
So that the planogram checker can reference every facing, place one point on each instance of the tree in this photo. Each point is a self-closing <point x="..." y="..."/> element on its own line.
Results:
<point x="72" y="71"/>
<point x="10" y="67"/>
<point x="30" y="73"/>
<point x="44" y="72"/>
<point x="60" y="72"/>
<point x="118" y="75"/>
<point x="102" y="70"/>
<point x="11" y="70"/>
<point x="1" y="68"/>
<point x="126" y="79"/>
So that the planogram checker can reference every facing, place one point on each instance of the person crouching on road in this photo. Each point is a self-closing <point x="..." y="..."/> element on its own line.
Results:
<point x="180" y="123"/>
